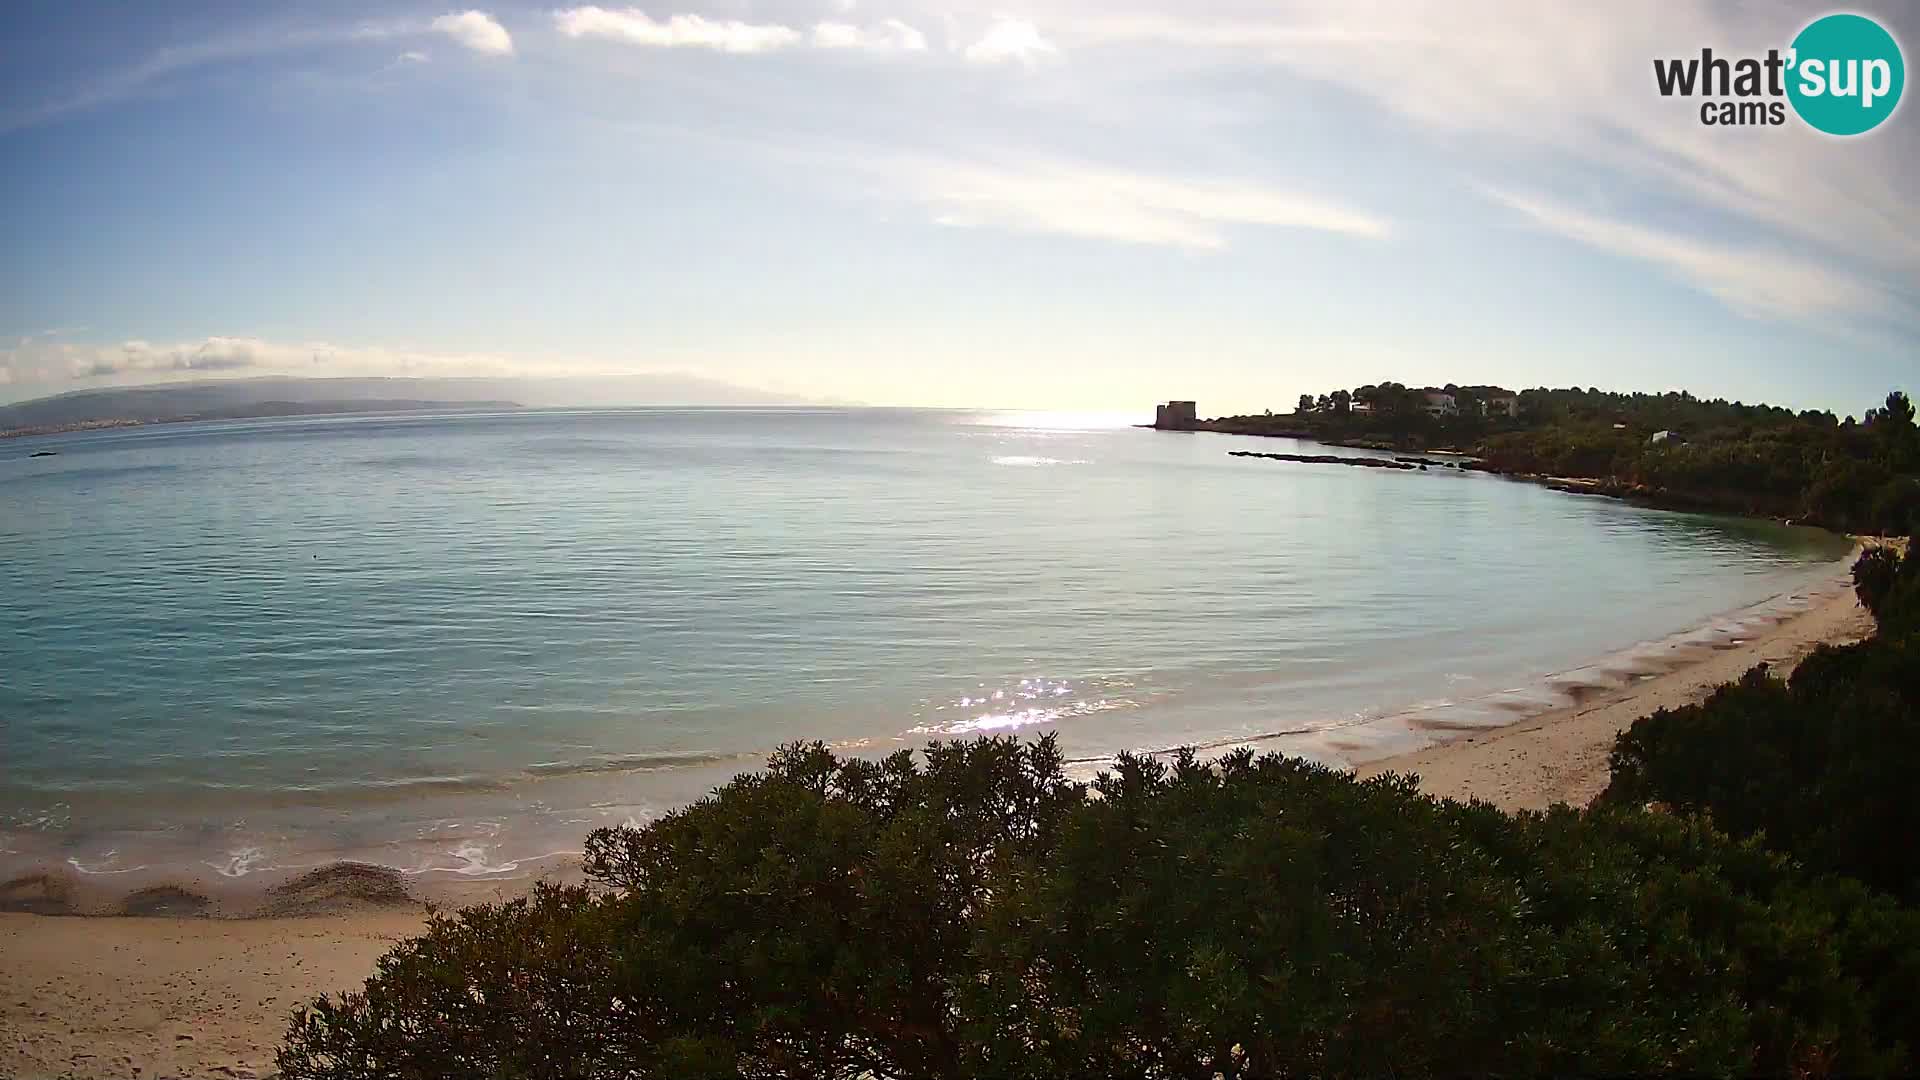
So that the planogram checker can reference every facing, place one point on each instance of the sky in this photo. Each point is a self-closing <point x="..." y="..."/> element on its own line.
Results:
<point x="1065" y="204"/>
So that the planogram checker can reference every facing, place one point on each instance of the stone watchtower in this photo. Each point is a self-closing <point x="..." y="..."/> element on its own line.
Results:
<point x="1176" y="416"/>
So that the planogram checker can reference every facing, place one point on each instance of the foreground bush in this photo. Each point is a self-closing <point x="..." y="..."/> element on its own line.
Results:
<point x="1889" y="587"/>
<point x="1820" y="767"/>
<point x="976" y="914"/>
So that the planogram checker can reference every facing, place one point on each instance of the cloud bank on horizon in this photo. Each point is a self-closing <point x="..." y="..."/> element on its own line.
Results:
<point x="1063" y="203"/>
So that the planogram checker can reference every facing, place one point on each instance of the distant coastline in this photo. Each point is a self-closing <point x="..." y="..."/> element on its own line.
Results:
<point x="103" y="407"/>
<point x="1669" y="451"/>
<point x="264" y="410"/>
<point x="1468" y="461"/>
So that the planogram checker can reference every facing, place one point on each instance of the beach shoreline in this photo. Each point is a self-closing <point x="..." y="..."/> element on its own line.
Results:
<point x="271" y="857"/>
<point x="190" y="996"/>
<point x="1561" y="755"/>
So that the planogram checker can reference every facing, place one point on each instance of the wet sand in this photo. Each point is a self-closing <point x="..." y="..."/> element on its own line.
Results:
<point x="166" y="996"/>
<point x="1561" y="756"/>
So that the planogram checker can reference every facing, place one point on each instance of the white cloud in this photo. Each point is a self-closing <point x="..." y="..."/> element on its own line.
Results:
<point x="414" y="56"/>
<point x="1753" y="281"/>
<point x="478" y="31"/>
<point x="1011" y="40"/>
<point x="50" y="363"/>
<point x="890" y="35"/>
<point x="137" y="357"/>
<point x="636" y="27"/>
<point x="1475" y="73"/>
<point x="472" y="29"/>
<point x="1109" y="204"/>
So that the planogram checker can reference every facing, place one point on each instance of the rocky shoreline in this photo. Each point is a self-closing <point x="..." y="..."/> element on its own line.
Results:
<point x="1330" y="459"/>
<point x="1637" y="494"/>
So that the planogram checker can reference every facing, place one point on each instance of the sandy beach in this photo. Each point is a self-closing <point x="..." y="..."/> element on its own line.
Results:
<point x="193" y="997"/>
<point x="95" y="996"/>
<point x="166" y="997"/>
<point x="1561" y="756"/>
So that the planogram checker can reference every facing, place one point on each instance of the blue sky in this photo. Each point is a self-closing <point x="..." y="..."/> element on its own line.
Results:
<point x="1055" y="204"/>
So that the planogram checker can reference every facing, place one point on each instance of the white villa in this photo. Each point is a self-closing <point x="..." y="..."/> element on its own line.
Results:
<point x="1440" y="403"/>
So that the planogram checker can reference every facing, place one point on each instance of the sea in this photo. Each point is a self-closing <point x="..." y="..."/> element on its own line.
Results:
<point x="452" y="644"/>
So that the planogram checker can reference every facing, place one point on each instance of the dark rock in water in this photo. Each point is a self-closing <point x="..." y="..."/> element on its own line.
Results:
<point x="341" y="886"/>
<point x="1329" y="459"/>
<point x="44" y="453"/>
<point x="171" y="900"/>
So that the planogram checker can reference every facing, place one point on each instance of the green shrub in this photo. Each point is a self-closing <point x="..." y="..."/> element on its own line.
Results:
<point x="1889" y="586"/>
<point x="1875" y="574"/>
<point x="1820" y="766"/>
<point x="976" y="914"/>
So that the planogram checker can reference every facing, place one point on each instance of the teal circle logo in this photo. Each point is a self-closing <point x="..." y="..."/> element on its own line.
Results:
<point x="1845" y="74"/>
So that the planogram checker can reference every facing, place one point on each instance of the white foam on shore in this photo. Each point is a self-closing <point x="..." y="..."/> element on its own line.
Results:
<point x="1374" y="735"/>
<point x="241" y="862"/>
<point x="472" y="862"/>
<point x="1372" y="738"/>
<point x="104" y="867"/>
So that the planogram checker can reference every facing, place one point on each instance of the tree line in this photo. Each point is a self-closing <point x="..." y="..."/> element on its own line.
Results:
<point x="1860" y="476"/>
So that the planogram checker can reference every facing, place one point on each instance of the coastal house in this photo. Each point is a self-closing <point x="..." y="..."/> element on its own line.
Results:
<point x="1176" y="416"/>
<point x="1501" y="404"/>
<point x="1440" y="403"/>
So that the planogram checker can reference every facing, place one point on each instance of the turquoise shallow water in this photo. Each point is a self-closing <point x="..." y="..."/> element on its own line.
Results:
<point x="455" y="643"/>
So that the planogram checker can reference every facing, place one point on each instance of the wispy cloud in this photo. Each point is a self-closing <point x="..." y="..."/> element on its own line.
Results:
<point x="477" y="31"/>
<point x="471" y="29"/>
<point x="1015" y="40"/>
<point x="636" y="27"/>
<point x="106" y="87"/>
<point x="1755" y="281"/>
<point x="1075" y="199"/>
<point x="890" y="35"/>
<point x="1475" y="73"/>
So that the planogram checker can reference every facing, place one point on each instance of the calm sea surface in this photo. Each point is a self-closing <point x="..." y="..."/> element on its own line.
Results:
<point x="456" y="643"/>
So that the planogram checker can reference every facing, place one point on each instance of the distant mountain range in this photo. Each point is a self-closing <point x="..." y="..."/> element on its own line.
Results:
<point x="227" y="399"/>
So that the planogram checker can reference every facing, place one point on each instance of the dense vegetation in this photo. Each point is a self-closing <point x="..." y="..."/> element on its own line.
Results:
<point x="1809" y="466"/>
<point x="972" y="912"/>
<point x="1821" y="766"/>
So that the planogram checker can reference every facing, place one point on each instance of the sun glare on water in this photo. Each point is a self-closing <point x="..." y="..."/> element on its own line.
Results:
<point x="1062" y="420"/>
